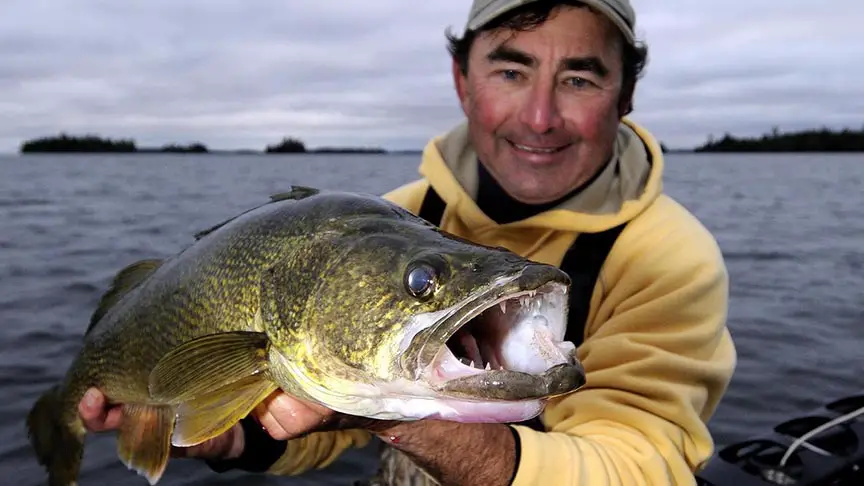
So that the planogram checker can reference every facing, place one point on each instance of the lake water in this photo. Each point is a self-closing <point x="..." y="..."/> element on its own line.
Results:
<point x="791" y="228"/>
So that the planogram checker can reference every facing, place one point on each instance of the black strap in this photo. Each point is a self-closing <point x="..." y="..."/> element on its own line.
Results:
<point x="582" y="263"/>
<point x="432" y="207"/>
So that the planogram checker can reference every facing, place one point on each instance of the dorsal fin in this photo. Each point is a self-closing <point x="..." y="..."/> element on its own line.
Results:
<point x="126" y="279"/>
<point x="296" y="192"/>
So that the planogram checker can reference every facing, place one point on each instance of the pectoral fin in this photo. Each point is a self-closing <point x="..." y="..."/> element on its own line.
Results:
<point x="144" y="440"/>
<point x="209" y="415"/>
<point x="207" y="364"/>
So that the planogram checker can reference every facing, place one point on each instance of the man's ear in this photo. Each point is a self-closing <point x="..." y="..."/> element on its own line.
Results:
<point x="460" y="83"/>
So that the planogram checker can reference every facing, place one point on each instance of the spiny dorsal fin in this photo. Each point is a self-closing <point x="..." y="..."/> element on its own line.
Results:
<point x="296" y="193"/>
<point x="126" y="279"/>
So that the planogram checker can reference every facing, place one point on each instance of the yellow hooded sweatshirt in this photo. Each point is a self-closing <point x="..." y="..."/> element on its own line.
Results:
<point x="656" y="350"/>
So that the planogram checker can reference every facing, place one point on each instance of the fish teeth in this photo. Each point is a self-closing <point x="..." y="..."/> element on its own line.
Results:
<point x="472" y="363"/>
<point x="488" y="367"/>
<point x="503" y="306"/>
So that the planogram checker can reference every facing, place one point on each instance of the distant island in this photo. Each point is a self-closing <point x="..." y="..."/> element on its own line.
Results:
<point x="86" y="143"/>
<point x="822" y="140"/>
<point x="89" y="143"/>
<point x="192" y="148"/>
<point x="290" y="145"/>
<point x="64" y="143"/>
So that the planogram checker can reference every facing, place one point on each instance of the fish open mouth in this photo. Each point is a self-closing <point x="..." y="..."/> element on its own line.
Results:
<point x="505" y="344"/>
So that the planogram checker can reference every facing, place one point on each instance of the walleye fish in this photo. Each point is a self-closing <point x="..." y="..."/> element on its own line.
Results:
<point x="340" y="298"/>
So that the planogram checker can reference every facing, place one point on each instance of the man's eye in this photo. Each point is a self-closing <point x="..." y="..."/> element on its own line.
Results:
<point x="578" y="82"/>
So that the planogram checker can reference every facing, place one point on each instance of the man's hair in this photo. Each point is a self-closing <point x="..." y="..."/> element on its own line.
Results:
<point x="533" y="15"/>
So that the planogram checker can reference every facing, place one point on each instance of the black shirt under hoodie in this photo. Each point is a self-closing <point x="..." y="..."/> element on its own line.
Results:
<point x="502" y="208"/>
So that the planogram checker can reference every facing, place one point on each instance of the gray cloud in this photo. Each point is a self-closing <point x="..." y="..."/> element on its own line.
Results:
<point x="234" y="73"/>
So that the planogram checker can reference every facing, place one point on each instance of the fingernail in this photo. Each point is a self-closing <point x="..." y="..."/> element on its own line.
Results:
<point x="89" y="399"/>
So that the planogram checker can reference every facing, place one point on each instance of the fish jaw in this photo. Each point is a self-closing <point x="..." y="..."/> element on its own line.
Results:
<point x="408" y="400"/>
<point x="520" y="359"/>
<point x="519" y="323"/>
<point x="505" y="343"/>
<point x="400" y="399"/>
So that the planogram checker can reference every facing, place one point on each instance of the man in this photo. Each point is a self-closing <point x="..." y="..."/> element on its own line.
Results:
<point x="546" y="161"/>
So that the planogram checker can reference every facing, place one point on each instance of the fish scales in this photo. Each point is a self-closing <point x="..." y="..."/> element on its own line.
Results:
<point x="341" y="298"/>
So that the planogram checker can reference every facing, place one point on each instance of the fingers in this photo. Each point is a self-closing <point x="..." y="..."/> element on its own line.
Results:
<point x="95" y="413"/>
<point x="285" y="417"/>
<point x="114" y="418"/>
<point x="225" y="446"/>
<point x="282" y="416"/>
<point x="99" y="416"/>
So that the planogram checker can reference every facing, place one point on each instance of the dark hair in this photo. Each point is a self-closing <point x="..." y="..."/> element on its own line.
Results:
<point x="532" y="15"/>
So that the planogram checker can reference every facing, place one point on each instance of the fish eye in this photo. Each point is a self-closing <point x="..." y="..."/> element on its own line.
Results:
<point x="420" y="280"/>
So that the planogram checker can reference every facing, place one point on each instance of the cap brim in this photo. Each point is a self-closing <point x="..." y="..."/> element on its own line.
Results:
<point x="610" y="13"/>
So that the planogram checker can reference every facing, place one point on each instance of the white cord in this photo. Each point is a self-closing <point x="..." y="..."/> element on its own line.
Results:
<point x="827" y="425"/>
<point x="821" y="452"/>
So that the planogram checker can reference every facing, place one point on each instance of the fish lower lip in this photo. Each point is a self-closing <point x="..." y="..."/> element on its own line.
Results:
<point x="515" y="385"/>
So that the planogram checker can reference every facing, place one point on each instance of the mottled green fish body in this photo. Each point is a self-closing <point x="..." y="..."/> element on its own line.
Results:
<point x="341" y="298"/>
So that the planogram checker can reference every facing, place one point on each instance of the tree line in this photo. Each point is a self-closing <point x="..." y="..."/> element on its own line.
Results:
<point x="90" y="143"/>
<point x="815" y="140"/>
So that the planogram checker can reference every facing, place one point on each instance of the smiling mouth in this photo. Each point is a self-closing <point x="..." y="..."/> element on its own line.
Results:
<point x="538" y="150"/>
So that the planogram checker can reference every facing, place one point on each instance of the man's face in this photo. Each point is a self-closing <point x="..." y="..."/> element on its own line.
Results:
<point x="543" y="105"/>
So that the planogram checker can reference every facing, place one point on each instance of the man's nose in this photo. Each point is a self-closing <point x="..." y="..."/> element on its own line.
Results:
<point x="541" y="112"/>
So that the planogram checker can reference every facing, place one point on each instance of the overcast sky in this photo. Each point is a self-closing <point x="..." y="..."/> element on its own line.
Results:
<point x="244" y="73"/>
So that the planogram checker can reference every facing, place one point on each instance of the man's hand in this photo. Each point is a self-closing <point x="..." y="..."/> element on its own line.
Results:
<point x="285" y="417"/>
<point x="282" y="416"/>
<point x="458" y="453"/>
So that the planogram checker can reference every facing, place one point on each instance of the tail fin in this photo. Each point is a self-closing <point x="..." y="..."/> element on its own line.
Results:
<point x="57" y="437"/>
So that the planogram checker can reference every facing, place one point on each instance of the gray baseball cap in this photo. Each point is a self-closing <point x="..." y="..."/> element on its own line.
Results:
<point x="620" y="12"/>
